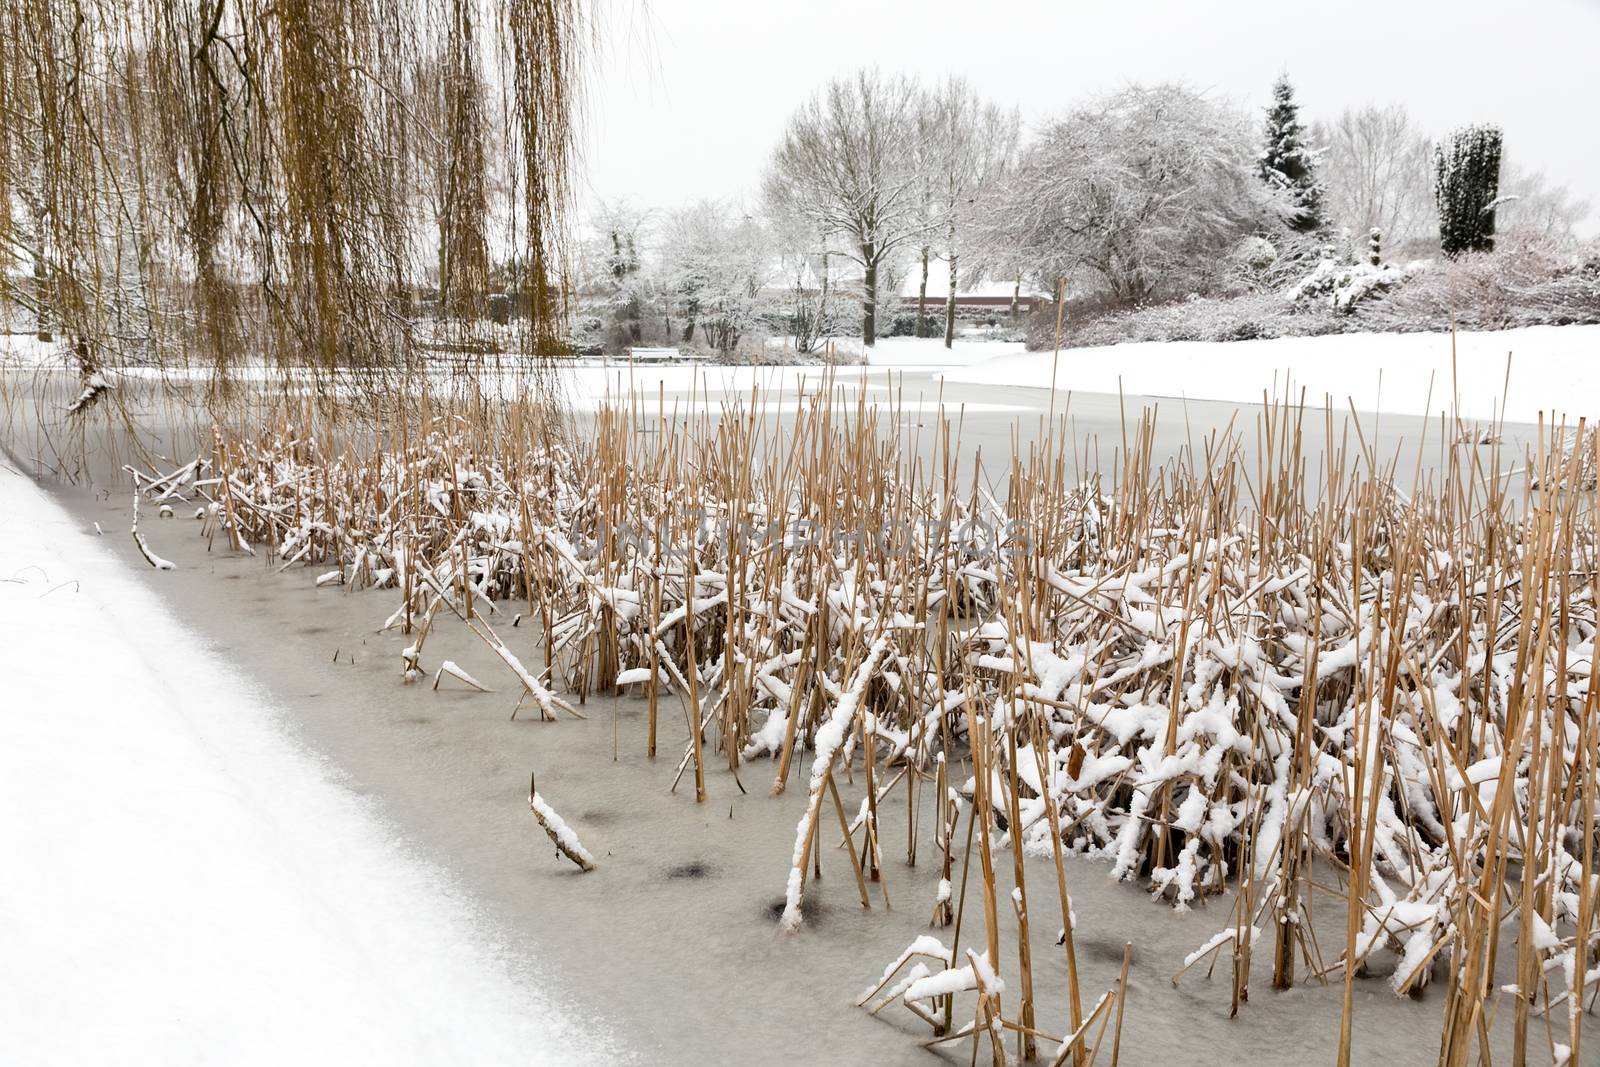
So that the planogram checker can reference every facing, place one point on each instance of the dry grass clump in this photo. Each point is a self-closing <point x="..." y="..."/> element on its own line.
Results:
<point x="1227" y="675"/>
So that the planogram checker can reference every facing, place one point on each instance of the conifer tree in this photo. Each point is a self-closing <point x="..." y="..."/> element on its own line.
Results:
<point x="1288" y="164"/>
<point x="1466" y="185"/>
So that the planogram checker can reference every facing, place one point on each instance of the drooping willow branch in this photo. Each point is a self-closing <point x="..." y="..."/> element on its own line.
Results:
<point x="301" y="183"/>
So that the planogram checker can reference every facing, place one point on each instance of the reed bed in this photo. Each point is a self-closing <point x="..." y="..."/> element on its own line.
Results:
<point x="1231" y="675"/>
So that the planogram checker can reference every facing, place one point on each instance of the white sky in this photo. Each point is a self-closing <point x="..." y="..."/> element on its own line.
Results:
<point x="690" y="96"/>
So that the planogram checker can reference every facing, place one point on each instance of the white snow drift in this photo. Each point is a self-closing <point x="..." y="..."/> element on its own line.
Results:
<point x="1552" y="367"/>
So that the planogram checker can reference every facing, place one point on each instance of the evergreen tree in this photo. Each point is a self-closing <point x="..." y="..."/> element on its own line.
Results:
<point x="1466" y="185"/>
<point x="1287" y="163"/>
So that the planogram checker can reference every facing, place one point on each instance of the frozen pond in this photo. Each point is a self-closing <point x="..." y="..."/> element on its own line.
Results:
<point x="674" y="939"/>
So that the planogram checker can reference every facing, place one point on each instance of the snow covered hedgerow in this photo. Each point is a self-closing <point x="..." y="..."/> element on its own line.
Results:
<point x="904" y="324"/>
<point x="1248" y="317"/>
<point x="1526" y="281"/>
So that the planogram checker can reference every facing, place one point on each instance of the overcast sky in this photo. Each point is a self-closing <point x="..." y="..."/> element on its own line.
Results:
<point x="690" y="96"/>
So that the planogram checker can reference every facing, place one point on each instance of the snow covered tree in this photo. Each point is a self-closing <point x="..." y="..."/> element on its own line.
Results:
<point x="846" y="162"/>
<point x="715" y="265"/>
<point x="925" y="153"/>
<point x="1139" y="193"/>
<point x="1288" y="163"/>
<point x="1466" y="188"/>
<point x="616" y="277"/>
<point x="1376" y="170"/>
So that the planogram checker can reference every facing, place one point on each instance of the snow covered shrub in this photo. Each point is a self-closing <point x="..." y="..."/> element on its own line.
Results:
<point x="1249" y="263"/>
<point x="904" y="324"/>
<point x="1261" y="264"/>
<point x="806" y="316"/>
<point x="755" y="346"/>
<point x="1341" y="286"/>
<point x="1000" y="333"/>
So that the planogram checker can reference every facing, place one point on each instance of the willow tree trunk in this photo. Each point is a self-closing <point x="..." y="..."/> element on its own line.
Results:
<point x="1016" y="298"/>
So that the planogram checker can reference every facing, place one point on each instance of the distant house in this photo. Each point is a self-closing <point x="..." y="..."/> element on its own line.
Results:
<point x="973" y="301"/>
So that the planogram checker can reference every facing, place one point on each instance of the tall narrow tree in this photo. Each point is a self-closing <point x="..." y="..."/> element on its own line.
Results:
<point x="1288" y="163"/>
<point x="972" y="143"/>
<point x="1466" y="186"/>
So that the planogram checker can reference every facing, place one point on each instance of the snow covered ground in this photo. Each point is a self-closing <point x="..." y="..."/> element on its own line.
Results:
<point x="930" y="351"/>
<point x="183" y="883"/>
<point x="1552" y="367"/>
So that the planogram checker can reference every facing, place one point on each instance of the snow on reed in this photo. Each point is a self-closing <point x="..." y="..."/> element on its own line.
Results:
<point x="1212" y="674"/>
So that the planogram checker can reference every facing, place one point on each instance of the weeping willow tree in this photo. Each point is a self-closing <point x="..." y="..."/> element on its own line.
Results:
<point x="331" y="184"/>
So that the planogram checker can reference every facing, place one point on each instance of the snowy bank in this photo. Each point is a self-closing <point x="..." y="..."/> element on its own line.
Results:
<point x="1552" y="367"/>
<point x="183" y="883"/>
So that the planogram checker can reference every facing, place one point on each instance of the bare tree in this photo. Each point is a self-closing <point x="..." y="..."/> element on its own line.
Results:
<point x="812" y="305"/>
<point x="1377" y="168"/>
<point x="970" y="145"/>
<point x="926" y="163"/>
<point x="1531" y="204"/>
<point x="846" y="163"/>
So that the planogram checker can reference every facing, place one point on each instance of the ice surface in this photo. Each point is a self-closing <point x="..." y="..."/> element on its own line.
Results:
<point x="186" y="885"/>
